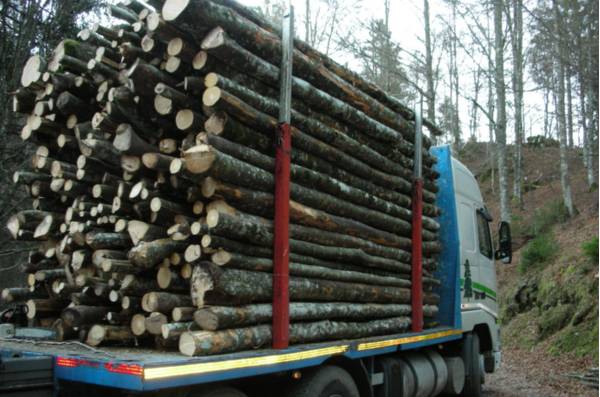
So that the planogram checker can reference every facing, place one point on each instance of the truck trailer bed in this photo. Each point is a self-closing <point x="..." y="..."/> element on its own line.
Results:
<point x="144" y="369"/>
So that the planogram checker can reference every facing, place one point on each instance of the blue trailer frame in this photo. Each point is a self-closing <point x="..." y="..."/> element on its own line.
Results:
<point x="138" y="370"/>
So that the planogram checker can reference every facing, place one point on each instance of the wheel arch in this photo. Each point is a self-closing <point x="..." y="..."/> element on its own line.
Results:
<point x="358" y="371"/>
<point x="485" y="337"/>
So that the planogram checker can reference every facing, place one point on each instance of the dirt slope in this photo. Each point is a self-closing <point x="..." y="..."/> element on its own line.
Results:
<point x="549" y="294"/>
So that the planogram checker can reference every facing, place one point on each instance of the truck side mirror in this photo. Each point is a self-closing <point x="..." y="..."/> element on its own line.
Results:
<point x="504" y="251"/>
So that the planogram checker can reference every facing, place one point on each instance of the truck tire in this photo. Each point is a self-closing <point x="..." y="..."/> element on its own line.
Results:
<point x="220" y="391"/>
<point x="473" y="368"/>
<point x="327" y="381"/>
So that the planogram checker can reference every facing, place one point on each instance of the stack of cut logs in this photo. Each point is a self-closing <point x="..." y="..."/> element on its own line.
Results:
<point x="152" y="187"/>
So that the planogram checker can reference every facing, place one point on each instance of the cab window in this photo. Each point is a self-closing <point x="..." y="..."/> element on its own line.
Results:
<point x="485" y="240"/>
<point x="466" y="226"/>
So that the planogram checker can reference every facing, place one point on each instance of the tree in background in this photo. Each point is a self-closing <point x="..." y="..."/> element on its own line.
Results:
<point x="27" y="27"/>
<point x="500" y="125"/>
<point x="447" y="115"/>
<point x="429" y="73"/>
<point x="380" y="57"/>
<point x="516" y="34"/>
<point x="561" y="59"/>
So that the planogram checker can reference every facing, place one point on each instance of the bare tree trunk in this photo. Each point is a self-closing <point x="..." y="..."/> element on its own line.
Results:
<point x="474" y="122"/>
<point x="591" y="134"/>
<point x="456" y="78"/>
<point x="501" y="111"/>
<point x="546" y="114"/>
<point x="517" y="80"/>
<point x="491" y="110"/>
<point x="307" y="22"/>
<point x="562" y="123"/>
<point x="429" y="65"/>
<point x="453" y="77"/>
<point x="570" y="142"/>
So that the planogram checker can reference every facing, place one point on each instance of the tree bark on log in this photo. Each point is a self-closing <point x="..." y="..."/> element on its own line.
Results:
<point x="351" y="77"/>
<point x="400" y="166"/>
<point x="108" y="333"/>
<point x="229" y="128"/>
<point x="265" y="124"/>
<point x="212" y="282"/>
<point x="261" y="203"/>
<point x="164" y="302"/>
<point x="148" y="254"/>
<point x="237" y="261"/>
<point x="377" y="120"/>
<point x="76" y="316"/>
<point x="244" y="229"/>
<point x="194" y="343"/>
<point x="213" y="243"/>
<point x="313" y="179"/>
<point x="222" y="317"/>
<point x="154" y="322"/>
<point x="204" y="159"/>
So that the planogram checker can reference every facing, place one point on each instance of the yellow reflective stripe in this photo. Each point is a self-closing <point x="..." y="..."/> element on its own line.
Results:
<point x="203" y="368"/>
<point x="407" y="339"/>
<point x="216" y="366"/>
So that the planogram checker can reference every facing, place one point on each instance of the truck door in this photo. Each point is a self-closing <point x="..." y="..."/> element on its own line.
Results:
<point x="487" y="274"/>
<point x="469" y="255"/>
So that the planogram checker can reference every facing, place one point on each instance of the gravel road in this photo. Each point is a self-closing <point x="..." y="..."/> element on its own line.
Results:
<point x="523" y="374"/>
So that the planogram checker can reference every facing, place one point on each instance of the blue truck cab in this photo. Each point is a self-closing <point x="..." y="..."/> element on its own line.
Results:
<point x="450" y="356"/>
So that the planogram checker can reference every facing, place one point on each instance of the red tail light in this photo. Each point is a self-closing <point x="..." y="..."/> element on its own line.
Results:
<point x="119" y="368"/>
<point x="127" y="369"/>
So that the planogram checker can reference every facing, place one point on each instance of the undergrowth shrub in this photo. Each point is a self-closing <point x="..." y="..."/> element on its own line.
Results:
<point x="544" y="218"/>
<point x="538" y="252"/>
<point x="590" y="249"/>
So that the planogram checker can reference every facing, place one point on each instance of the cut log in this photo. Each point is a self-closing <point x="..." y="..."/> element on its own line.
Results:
<point x="209" y="281"/>
<point x="43" y="307"/>
<point x="108" y="333"/>
<point x="245" y="227"/>
<point x="193" y="343"/>
<point x="224" y="258"/>
<point x="17" y="294"/>
<point x="174" y="330"/>
<point x="105" y="240"/>
<point x="204" y="159"/>
<point x="164" y="302"/>
<point x="128" y="141"/>
<point x="138" y="324"/>
<point x="222" y="317"/>
<point x="76" y="316"/>
<point x="182" y="314"/>
<point x="141" y="231"/>
<point x="149" y="254"/>
<point x="154" y="322"/>
<point x="168" y="279"/>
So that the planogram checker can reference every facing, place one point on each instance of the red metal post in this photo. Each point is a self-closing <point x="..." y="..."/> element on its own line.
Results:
<point x="283" y="143"/>
<point x="417" y="257"/>
<point x="417" y="226"/>
<point x="281" y="249"/>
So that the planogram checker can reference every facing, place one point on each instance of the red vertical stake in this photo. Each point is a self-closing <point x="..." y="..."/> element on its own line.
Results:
<point x="417" y="257"/>
<point x="417" y="226"/>
<point x="283" y="148"/>
<point x="281" y="251"/>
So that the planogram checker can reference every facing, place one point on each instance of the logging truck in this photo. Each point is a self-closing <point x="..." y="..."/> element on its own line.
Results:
<point x="449" y="356"/>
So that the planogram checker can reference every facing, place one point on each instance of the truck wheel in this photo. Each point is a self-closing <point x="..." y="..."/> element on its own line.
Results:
<point x="221" y="391"/>
<point x="328" y="381"/>
<point x="473" y="368"/>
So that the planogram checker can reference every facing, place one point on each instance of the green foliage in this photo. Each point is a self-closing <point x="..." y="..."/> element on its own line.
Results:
<point x="538" y="252"/>
<point x="580" y="340"/>
<point x="554" y="319"/>
<point x="590" y="249"/>
<point x="544" y="218"/>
